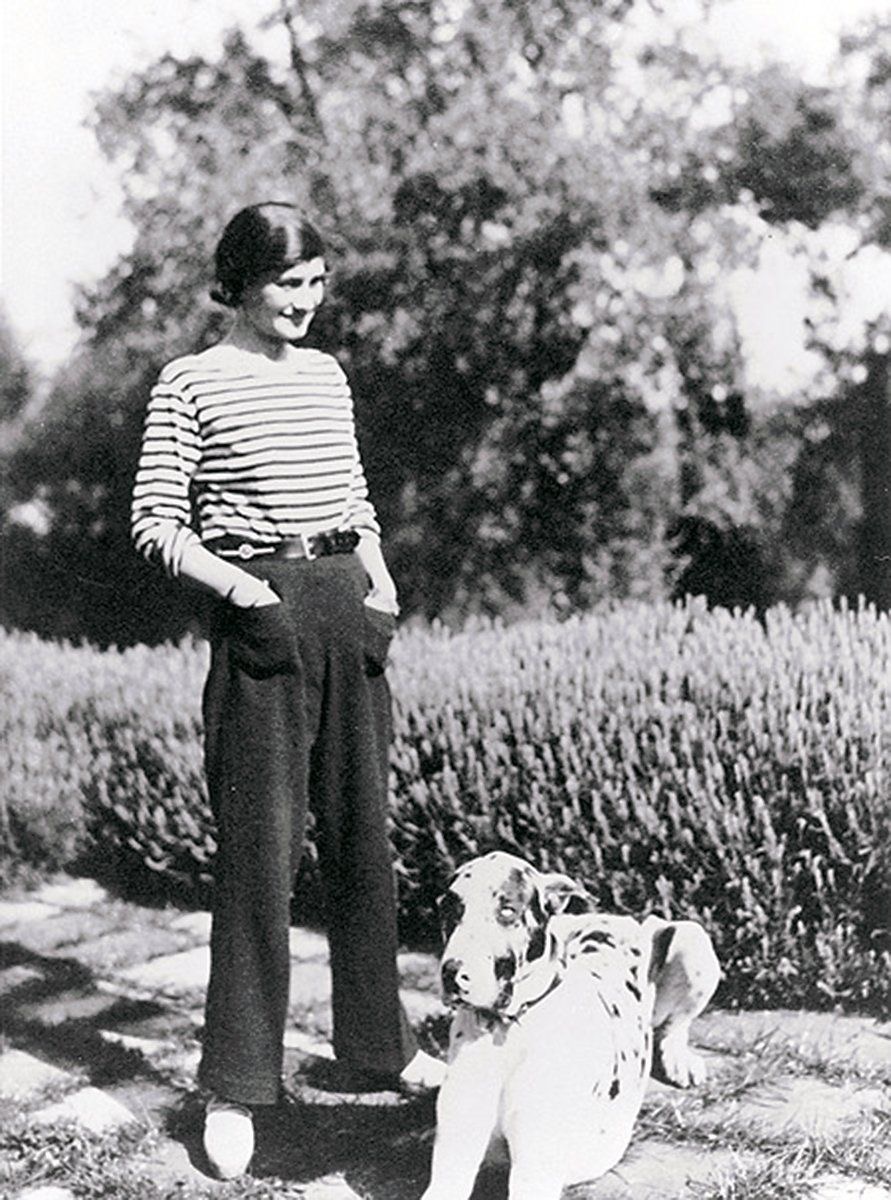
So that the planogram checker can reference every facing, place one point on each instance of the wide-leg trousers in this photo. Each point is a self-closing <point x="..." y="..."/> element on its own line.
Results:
<point x="297" y="715"/>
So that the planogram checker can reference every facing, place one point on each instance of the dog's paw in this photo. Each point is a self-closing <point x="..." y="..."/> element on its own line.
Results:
<point x="675" y="1062"/>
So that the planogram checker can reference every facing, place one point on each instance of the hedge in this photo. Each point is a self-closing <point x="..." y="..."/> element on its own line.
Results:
<point x="679" y="760"/>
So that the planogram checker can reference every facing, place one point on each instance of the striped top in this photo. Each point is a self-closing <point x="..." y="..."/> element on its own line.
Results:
<point x="256" y="449"/>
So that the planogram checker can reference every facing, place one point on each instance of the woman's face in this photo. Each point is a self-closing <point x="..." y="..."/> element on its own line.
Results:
<point x="280" y="308"/>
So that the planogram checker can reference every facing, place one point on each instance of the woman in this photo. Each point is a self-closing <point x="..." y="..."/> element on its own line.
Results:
<point x="256" y="434"/>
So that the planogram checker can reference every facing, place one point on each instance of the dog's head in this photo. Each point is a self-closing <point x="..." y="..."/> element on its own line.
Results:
<point x="494" y="918"/>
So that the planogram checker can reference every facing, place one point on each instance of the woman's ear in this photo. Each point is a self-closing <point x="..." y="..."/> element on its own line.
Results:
<point x="562" y="895"/>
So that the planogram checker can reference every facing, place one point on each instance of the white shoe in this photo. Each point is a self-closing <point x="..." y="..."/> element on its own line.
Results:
<point x="228" y="1138"/>
<point x="424" y="1072"/>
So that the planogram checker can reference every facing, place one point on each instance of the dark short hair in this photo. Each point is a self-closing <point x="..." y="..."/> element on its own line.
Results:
<point x="261" y="240"/>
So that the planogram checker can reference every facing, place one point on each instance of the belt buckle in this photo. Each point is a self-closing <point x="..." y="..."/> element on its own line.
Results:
<point x="245" y="551"/>
<point x="306" y="539"/>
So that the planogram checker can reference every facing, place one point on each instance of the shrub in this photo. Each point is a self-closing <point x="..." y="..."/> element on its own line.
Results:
<point x="102" y="763"/>
<point x="689" y="762"/>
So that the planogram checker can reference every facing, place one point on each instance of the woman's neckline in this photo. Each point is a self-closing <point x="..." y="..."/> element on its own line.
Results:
<point x="256" y="360"/>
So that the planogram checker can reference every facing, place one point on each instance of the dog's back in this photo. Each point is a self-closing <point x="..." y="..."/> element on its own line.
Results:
<point x="584" y="1051"/>
<point x="552" y="1037"/>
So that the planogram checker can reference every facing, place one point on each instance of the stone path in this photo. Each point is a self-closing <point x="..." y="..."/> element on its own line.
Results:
<point x="100" y="1021"/>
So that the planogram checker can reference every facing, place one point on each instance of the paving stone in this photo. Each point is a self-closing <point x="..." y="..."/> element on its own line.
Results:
<point x="19" y="976"/>
<point x="298" y="1039"/>
<point x="169" y="1165"/>
<point x="656" y="1170"/>
<point x="195" y="923"/>
<point x="63" y="930"/>
<point x="46" y="1193"/>
<point x="307" y="943"/>
<point x="152" y="1021"/>
<point x="76" y="1005"/>
<point x="72" y="893"/>
<point x="330" y="1187"/>
<point x="805" y="1105"/>
<point x="90" y="1107"/>
<point x="23" y="1076"/>
<point x="171" y="973"/>
<point x="149" y="1047"/>
<point x="421" y="1005"/>
<point x="310" y="982"/>
<point x="859" y="1042"/>
<point x="421" y="969"/>
<point x="839" y="1187"/>
<point x="22" y="912"/>
<point x="172" y="1057"/>
<point x="121" y="948"/>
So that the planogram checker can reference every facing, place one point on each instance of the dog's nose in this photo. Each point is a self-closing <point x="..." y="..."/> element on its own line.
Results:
<point x="454" y="977"/>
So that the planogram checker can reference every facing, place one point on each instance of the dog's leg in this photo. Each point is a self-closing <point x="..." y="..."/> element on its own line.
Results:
<point x="466" y="1117"/>
<point x="685" y="971"/>
<point x="537" y="1166"/>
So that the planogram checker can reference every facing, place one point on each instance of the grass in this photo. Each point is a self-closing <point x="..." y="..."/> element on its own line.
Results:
<point x="383" y="1152"/>
<point x="677" y="760"/>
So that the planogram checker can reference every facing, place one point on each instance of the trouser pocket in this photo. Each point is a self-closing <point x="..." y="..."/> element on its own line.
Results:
<point x="261" y="639"/>
<point x="379" y="630"/>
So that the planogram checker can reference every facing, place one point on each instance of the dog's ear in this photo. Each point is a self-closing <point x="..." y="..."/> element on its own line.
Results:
<point x="562" y="895"/>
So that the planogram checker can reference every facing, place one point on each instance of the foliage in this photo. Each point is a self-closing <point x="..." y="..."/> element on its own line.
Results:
<point x="677" y="760"/>
<point x="531" y="209"/>
<point x="16" y="381"/>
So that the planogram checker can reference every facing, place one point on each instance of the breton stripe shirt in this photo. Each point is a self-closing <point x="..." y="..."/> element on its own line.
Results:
<point x="257" y="449"/>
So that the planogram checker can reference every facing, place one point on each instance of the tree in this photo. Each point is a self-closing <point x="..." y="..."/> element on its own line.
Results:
<point x="529" y="240"/>
<point x="16" y="379"/>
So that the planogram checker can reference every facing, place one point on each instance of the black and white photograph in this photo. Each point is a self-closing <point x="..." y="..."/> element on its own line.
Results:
<point x="445" y="575"/>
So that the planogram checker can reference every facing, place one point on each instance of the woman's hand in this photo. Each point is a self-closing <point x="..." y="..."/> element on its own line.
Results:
<point x="250" y="592"/>
<point x="382" y="595"/>
<point x="384" y="599"/>
<point x="225" y="579"/>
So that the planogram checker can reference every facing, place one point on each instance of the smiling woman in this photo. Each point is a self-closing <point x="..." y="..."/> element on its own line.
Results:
<point x="258" y="432"/>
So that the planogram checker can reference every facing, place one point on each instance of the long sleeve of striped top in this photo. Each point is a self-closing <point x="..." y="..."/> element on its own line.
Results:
<point x="236" y="445"/>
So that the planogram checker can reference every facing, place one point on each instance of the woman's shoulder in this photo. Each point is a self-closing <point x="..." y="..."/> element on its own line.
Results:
<point x="189" y="366"/>
<point x="321" y="359"/>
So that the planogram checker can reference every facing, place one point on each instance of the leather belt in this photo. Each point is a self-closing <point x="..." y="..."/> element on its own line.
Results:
<point x="308" y="546"/>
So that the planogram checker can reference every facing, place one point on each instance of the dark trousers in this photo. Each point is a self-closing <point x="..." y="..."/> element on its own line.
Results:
<point x="297" y="714"/>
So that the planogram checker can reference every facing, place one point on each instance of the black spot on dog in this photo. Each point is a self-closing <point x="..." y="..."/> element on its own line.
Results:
<point x="635" y="991"/>
<point x="537" y="943"/>
<point x="614" y="1089"/>
<point x="505" y="966"/>
<point x="616" y="1011"/>
<point x="598" y="937"/>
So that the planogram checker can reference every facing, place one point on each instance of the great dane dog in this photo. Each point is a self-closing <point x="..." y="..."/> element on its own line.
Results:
<point x="559" y="1013"/>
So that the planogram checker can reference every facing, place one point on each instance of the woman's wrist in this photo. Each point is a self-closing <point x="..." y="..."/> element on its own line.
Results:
<point x="250" y="592"/>
<point x="383" y="595"/>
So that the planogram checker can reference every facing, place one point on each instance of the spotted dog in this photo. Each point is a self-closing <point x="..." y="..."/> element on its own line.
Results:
<point x="559" y="1013"/>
